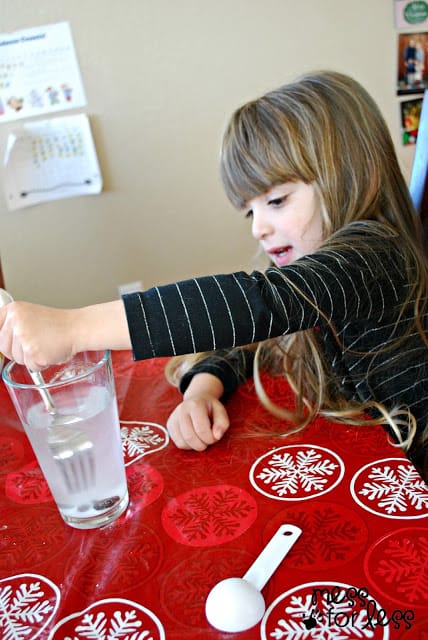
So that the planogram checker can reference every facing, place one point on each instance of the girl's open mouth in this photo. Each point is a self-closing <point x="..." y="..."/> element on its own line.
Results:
<point x="281" y="255"/>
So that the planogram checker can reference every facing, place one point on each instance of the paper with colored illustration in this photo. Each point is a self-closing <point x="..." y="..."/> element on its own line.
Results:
<point x="39" y="72"/>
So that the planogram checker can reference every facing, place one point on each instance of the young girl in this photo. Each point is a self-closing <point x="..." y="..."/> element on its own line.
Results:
<point x="341" y="311"/>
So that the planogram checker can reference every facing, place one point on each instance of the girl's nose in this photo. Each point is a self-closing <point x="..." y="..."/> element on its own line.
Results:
<point x="260" y="228"/>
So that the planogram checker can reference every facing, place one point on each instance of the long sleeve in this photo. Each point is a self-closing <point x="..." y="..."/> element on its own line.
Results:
<point x="355" y="292"/>
<point x="231" y="367"/>
<point x="225" y="311"/>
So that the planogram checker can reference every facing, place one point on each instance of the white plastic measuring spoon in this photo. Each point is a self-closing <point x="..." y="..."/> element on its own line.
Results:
<point x="236" y="604"/>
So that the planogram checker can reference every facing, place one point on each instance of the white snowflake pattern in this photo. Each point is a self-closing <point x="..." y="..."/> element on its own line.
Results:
<point x="124" y="626"/>
<point x="22" y="610"/>
<point x="298" y="619"/>
<point x="110" y="619"/>
<point x="305" y="469"/>
<point x="141" y="438"/>
<point x="394" y="489"/>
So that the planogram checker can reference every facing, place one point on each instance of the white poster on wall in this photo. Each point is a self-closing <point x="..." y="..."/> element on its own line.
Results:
<point x="39" y="72"/>
<point x="49" y="160"/>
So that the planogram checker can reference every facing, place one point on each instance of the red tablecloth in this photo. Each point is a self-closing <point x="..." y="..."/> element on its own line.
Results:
<point x="359" y="569"/>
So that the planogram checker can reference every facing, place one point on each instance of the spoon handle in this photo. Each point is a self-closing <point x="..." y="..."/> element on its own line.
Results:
<point x="36" y="376"/>
<point x="272" y="555"/>
<point x="38" y="380"/>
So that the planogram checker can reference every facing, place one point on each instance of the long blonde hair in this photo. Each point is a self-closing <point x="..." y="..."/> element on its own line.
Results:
<point x="325" y="130"/>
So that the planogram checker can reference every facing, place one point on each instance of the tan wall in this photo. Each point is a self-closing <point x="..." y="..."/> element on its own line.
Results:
<point x="162" y="77"/>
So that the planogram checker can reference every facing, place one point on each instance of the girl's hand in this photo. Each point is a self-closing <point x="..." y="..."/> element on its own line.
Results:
<point x="198" y="422"/>
<point x="38" y="336"/>
<point x="201" y="419"/>
<point x="34" y="335"/>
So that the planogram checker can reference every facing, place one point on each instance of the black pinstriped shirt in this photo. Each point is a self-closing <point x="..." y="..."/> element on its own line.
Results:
<point x="360" y="291"/>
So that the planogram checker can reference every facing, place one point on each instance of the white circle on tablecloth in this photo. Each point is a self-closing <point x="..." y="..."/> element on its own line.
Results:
<point x="17" y="592"/>
<point x="391" y="488"/>
<point x="140" y="438"/>
<point x="294" y="614"/>
<point x="297" y="472"/>
<point x="138" y="620"/>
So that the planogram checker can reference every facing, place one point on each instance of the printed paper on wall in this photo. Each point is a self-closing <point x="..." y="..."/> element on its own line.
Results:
<point x="39" y="72"/>
<point x="49" y="160"/>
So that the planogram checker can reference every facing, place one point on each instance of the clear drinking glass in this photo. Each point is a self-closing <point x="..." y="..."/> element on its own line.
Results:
<point x="5" y="298"/>
<point x="72" y="422"/>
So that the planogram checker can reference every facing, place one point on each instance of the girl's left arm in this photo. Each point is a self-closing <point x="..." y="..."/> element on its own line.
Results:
<point x="200" y="419"/>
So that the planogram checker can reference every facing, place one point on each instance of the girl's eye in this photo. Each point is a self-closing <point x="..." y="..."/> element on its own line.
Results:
<point x="276" y="202"/>
<point x="249" y="214"/>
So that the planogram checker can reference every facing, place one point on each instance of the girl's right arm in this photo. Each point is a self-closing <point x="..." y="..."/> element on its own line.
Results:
<point x="36" y="336"/>
<point x="201" y="418"/>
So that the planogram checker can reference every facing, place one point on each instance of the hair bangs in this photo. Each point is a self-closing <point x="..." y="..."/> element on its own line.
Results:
<point x="255" y="155"/>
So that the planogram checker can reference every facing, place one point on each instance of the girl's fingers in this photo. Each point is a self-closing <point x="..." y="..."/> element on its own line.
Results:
<point x="198" y="423"/>
<point x="220" y="420"/>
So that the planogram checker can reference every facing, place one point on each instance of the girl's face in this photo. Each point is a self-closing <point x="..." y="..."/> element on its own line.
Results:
<point x="287" y="221"/>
